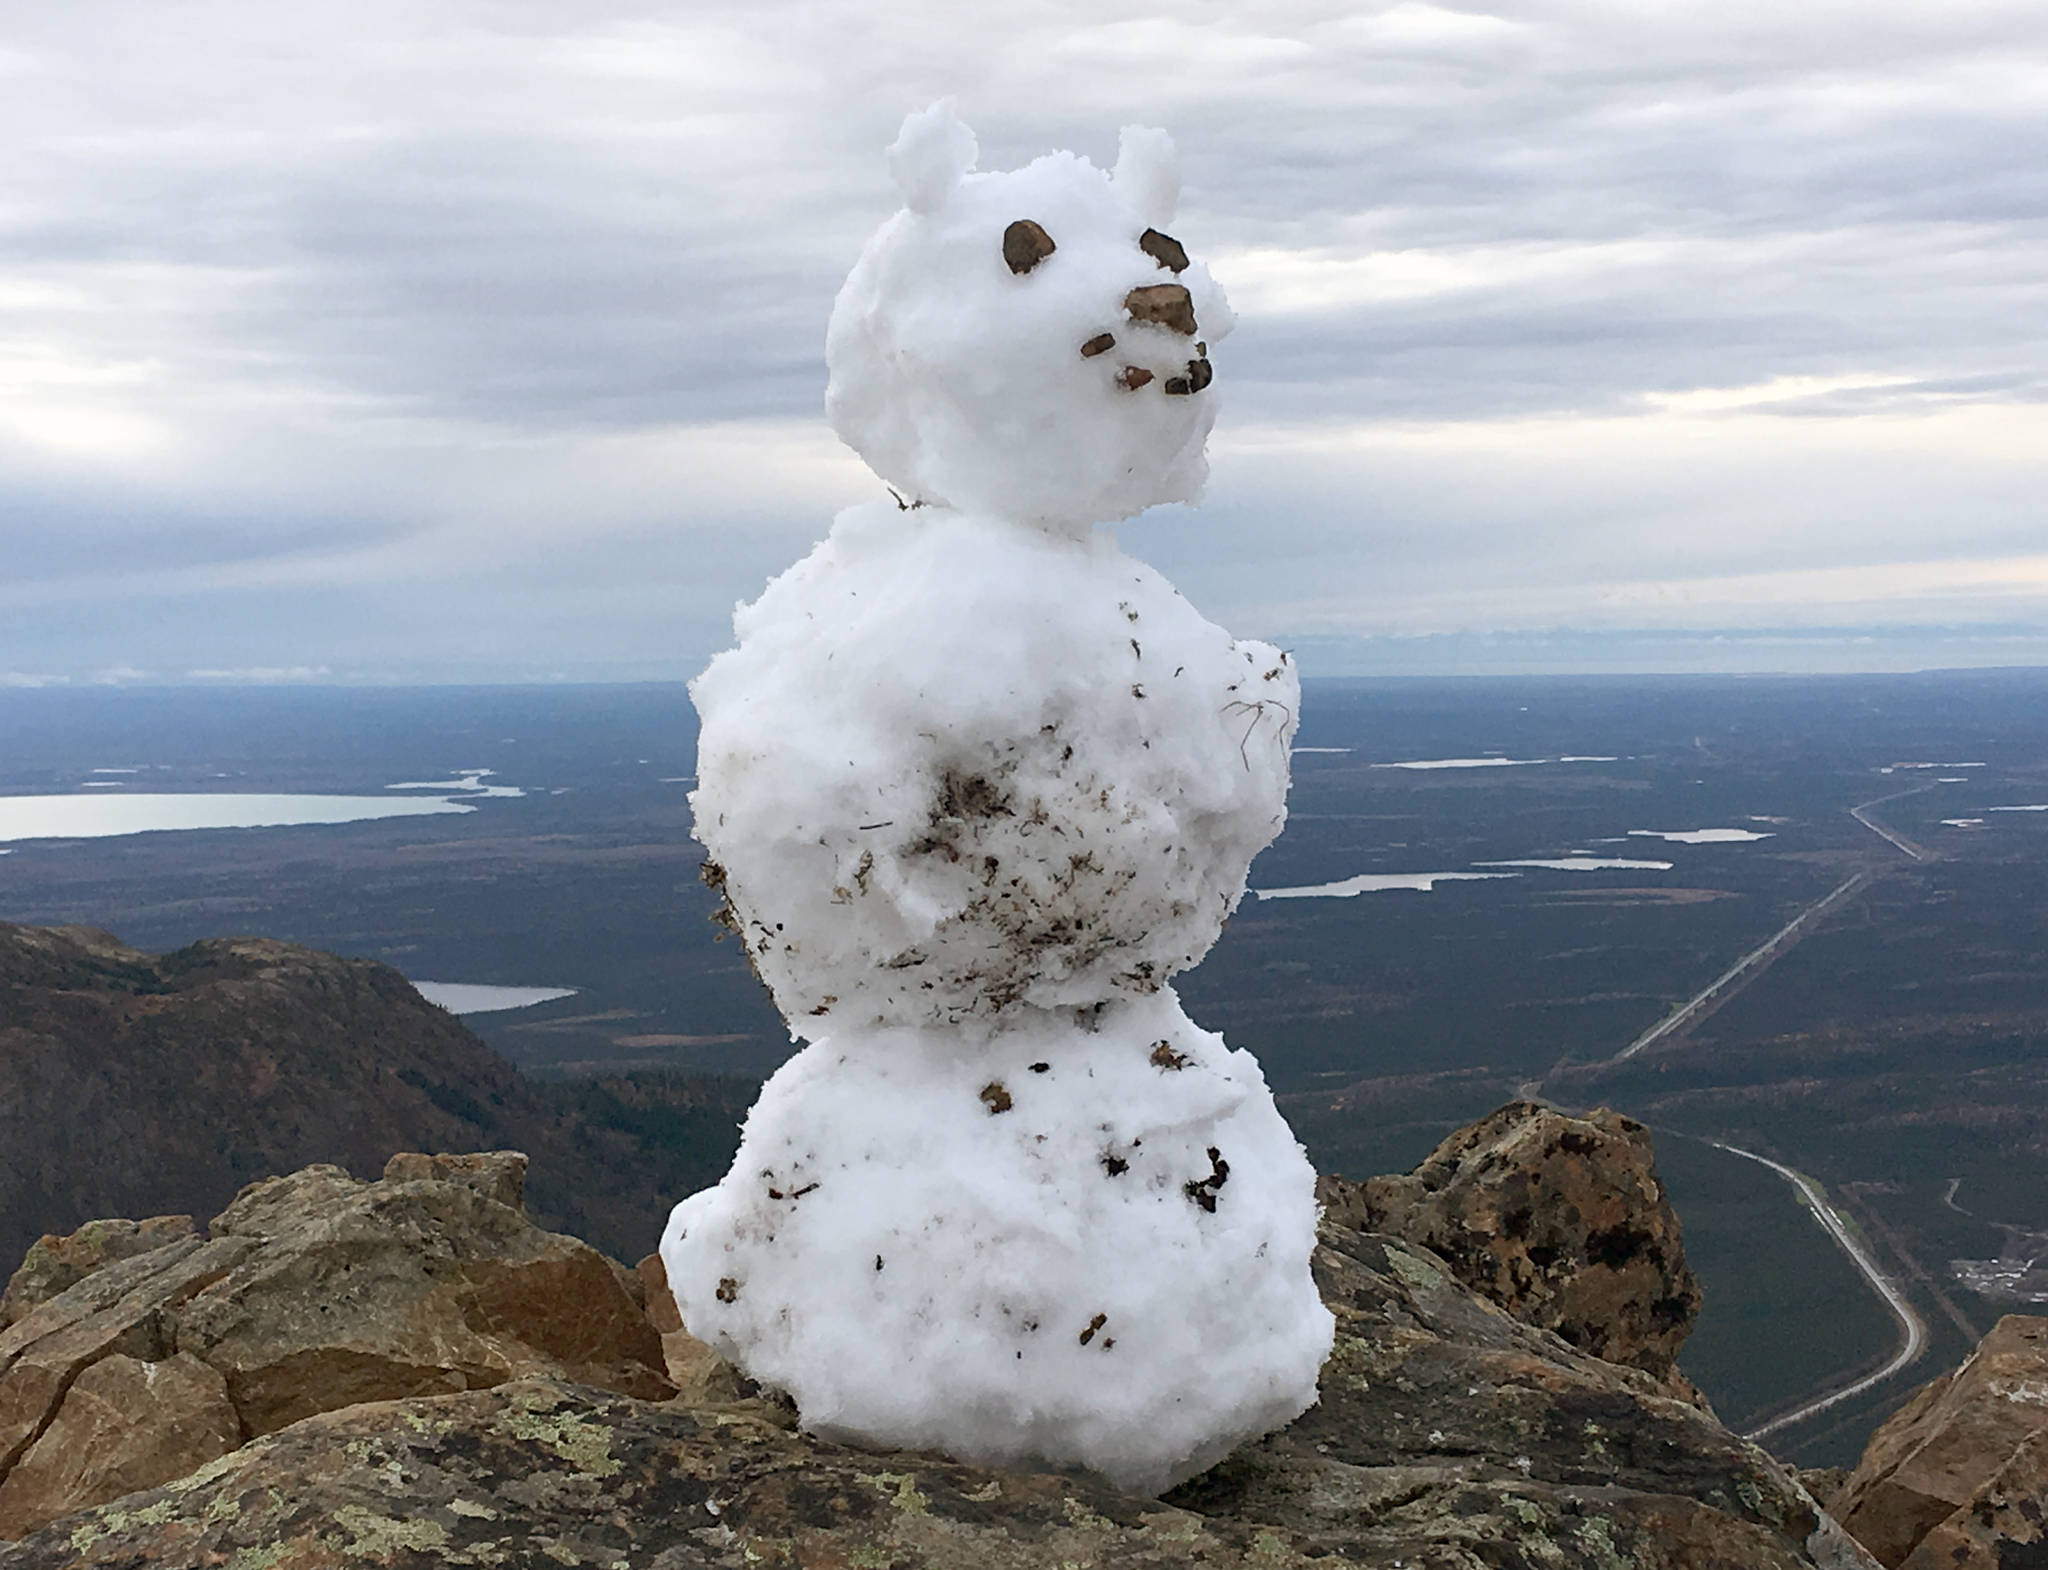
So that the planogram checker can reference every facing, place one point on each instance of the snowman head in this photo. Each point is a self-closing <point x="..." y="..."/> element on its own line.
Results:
<point x="1031" y="345"/>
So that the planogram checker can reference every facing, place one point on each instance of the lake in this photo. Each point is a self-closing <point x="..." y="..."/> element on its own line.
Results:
<point x="469" y="997"/>
<point x="98" y="817"/>
<point x="1380" y="882"/>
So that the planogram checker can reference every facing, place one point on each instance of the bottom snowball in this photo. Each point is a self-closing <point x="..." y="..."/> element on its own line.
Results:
<point x="1064" y="1244"/>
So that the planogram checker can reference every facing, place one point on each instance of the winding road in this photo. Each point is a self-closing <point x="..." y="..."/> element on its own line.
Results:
<point x="1913" y="1329"/>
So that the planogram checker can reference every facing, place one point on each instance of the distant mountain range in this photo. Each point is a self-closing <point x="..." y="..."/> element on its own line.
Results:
<point x="135" y="1084"/>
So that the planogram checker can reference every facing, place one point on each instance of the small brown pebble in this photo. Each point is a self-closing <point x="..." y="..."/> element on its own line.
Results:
<point x="1134" y="376"/>
<point x="1168" y="304"/>
<point x="1025" y="245"/>
<point x="1178" y="387"/>
<point x="1200" y="373"/>
<point x="1101" y="343"/>
<point x="996" y="1097"/>
<point x="1164" y="249"/>
<point x="728" y="1290"/>
<point x="1094" y="1325"/>
<point x="1163" y="1056"/>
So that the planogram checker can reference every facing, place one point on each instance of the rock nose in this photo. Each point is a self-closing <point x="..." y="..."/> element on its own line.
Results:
<point x="1168" y="304"/>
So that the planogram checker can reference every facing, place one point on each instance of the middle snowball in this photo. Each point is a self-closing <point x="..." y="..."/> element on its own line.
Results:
<point x="959" y="763"/>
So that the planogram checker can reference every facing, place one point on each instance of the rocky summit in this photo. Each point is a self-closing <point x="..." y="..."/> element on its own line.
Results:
<point x="407" y="1373"/>
<point x="1561" y="1220"/>
<point x="1957" y="1478"/>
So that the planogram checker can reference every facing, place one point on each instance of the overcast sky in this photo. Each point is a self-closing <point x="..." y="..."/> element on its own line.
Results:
<point x="428" y="340"/>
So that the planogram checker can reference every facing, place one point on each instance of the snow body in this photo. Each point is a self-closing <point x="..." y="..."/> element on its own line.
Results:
<point x="975" y="785"/>
<point x="1084" y="1246"/>
<point x="956" y="763"/>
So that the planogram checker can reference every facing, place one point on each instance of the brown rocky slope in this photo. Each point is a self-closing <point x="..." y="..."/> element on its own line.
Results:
<point x="133" y="1083"/>
<point x="1449" y="1432"/>
<point x="1957" y="1478"/>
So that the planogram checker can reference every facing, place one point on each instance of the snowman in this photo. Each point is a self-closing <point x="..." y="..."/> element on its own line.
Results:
<point x="975" y="785"/>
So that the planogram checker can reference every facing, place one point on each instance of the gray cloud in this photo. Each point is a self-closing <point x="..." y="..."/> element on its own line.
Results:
<point x="319" y="282"/>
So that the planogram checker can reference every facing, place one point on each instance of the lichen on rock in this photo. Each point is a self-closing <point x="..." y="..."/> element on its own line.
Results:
<point x="1448" y="1434"/>
<point x="313" y="1292"/>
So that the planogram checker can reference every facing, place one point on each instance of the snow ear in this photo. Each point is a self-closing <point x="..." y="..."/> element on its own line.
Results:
<point x="1148" y="173"/>
<point x="930" y="154"/>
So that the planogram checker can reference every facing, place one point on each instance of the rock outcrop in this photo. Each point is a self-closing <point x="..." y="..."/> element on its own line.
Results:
<point x="1957" y="1478"/>
<point x="1559" y="1220"/>
<point x="1448" y="1434"/>
<point x="57" y="1262"/>
<point x="310" y="1293"/>
<point x="125" y="1424"/>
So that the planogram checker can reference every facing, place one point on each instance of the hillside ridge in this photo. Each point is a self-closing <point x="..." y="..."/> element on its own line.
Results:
<point x="134" y="1084"/>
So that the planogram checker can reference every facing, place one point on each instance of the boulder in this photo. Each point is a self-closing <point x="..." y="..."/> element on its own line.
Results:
<point x="495" y="1174"/>
<point x="2004" y="1518"/>
<point x="313" y="1292"/>
<point x="370" y="1291"/>
<point x="55" y="1263"/>
<point x="1448" y="1435"/>
<point x="128" y="1309"/>
<point x="1559" y="1220"/>
<point x="1960" y="1466"/>
<point x="124" y="1425"/>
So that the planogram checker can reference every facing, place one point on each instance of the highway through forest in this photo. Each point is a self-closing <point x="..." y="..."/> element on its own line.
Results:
<point x="1743" y="971"/>
<point x="1732" y="980"/>
<point x="1913" y="1329"/>
<point x="1883" y="833"/>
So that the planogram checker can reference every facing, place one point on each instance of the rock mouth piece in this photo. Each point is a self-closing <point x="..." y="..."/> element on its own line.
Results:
<point x="1199" y="374"/>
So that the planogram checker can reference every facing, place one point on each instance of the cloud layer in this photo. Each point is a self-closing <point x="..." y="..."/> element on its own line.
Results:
<point x="452" y="339"/>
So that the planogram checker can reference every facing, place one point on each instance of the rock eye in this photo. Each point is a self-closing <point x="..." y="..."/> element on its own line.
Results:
<point x="1025" y="245"/>
<point x="1164" y="249"/>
